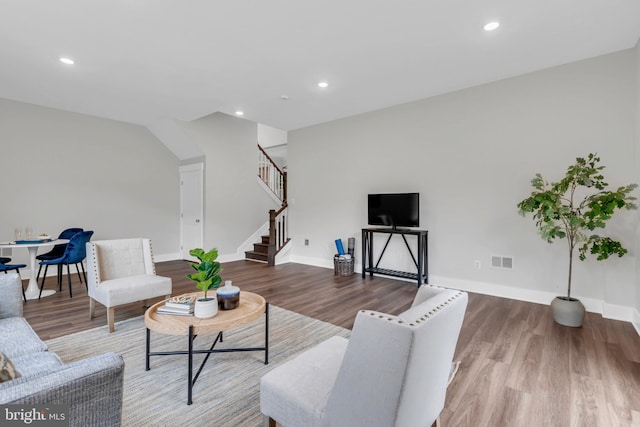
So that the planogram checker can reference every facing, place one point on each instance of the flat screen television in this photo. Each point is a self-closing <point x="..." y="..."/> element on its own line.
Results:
<point x="394" y="210"/>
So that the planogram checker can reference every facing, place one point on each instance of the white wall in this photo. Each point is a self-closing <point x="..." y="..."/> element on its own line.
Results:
<point x="471" y="155"/>
<point x="235" y="205"/>
<point x="274" y="143"/>
<point x="269" y="136"/>
<point x="637" y="246"/>
<point x="62" y="169"/>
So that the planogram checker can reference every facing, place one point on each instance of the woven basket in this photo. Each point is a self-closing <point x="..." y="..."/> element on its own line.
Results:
<point x="342" y="267"/>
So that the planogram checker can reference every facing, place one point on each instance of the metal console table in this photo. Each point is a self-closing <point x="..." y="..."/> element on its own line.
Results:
<point x="422" y="269"/>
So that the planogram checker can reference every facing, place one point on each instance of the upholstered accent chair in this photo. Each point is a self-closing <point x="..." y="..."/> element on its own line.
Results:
<point x="58" y="250"/>
<point x="392" y="371"/>
<point x="120" y="272"/>
<point x="74" y="253"/>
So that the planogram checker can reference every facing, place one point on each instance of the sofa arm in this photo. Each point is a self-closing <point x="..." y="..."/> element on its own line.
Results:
<point x="91" y="387"/>
<point x="10" y="295"/>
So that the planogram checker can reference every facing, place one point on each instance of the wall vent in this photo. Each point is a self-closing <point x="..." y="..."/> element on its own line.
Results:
<point x="502" y="262"/>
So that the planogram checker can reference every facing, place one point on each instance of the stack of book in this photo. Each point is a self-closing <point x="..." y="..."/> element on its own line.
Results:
<point x="181" y="305"/>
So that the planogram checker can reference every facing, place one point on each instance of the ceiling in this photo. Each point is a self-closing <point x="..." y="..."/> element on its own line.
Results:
<point x="140" y="61"/>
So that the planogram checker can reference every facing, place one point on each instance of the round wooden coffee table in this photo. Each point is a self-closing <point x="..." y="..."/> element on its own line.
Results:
<point x="252" y="306"/>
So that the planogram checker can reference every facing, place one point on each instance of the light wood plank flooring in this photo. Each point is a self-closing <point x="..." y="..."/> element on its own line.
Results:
<point x="518" y="368"/>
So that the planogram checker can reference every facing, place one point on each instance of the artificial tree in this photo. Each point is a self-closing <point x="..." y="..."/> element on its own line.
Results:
<point x="575" y="206"/>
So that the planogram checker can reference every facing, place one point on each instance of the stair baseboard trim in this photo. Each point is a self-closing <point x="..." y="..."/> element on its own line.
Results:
<point x="284" y="255"/>
<point x="271" y="194"/>
<point x="247" y="245"/>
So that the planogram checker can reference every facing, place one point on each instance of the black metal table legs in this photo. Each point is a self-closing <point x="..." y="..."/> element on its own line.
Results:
<point x="191" y="379"/>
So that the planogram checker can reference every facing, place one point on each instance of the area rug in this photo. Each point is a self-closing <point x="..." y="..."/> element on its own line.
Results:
<point x="226" y="393"/>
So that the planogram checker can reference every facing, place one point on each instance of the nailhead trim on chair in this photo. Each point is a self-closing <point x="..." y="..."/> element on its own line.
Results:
<point x="96" y="273"/>
<point x="421" y="319"/>
<point x="152" y="257"/>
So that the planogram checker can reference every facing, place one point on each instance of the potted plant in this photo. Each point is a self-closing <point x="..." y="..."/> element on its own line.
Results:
<point x="572" y="208"/>
<point x="207" y="277"/>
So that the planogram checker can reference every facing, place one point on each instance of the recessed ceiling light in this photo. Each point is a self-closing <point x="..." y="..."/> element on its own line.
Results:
<point x="239" y="113"/>
<point x="491" y="26"/>
<point x="67" y="61"/>
<point x="323" y="84"/>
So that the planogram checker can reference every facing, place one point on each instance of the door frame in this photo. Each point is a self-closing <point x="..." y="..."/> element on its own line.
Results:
<point x="195" y="167"/>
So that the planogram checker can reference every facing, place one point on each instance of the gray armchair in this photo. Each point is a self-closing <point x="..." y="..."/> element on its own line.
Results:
<point x="91" y="387"/>
<point x="393" y="371"/>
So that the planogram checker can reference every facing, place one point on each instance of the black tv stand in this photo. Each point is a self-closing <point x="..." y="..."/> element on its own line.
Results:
<point x="422" y="269"/>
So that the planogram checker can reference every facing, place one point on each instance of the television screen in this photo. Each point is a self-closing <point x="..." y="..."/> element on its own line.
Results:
<point x="394" y="210"/>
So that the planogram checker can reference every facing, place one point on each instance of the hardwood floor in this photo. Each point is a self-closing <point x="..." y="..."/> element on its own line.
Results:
<point x="518" y="368"/>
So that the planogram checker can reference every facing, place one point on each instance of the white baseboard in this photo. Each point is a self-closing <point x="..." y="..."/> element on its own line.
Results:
<point x="247" y="245"/>
<point x="592" y="305"/>
<point x="316" y="262"/>
<point x="231" y="257"/>
<point x="284" y="256"/>
<point x="281" y="258"/>
<point x="25" y="273"/>
<point x="167" y="257"/>
<point x="486" y="288"/>
<point x="617" y="312"/>
<point x="608" y="311"/>
<point x="178" y="256"/>
<point x="636" y="320"/>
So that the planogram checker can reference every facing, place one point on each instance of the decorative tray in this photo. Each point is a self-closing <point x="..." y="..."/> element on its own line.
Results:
<point x="26" y="242"/>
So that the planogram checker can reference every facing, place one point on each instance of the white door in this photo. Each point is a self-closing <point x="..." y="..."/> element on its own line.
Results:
<point x="191" y="208"/>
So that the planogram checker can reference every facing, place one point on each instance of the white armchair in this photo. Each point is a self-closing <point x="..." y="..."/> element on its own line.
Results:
<point x="393" y="371"/>
<point x="121" y="272"/>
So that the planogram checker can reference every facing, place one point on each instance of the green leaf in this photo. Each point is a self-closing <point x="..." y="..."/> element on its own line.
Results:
<point x="208" y="269"/>
<point x="197" y="252"/>
<point x="577" y="203"/>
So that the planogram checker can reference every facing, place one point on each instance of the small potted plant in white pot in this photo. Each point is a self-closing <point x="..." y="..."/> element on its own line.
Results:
<point x="207" y="277"/>
<point x="577" y="204"/>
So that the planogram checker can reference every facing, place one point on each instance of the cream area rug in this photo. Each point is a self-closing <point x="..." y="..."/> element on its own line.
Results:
<point x="227" y="391"/>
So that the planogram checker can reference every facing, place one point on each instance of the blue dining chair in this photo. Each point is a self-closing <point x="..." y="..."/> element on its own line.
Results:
<point x="58" y="251"/>
<point x="4" y="260"/>
<point x="74" y="253"/>
<point x="8" y="267"/>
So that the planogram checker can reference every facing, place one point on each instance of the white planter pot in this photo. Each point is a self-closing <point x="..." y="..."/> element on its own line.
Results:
<point x="568" y="311"/>
<point x="206" y="307"/>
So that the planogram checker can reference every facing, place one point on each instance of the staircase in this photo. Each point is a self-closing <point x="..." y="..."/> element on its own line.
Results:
<point x="260" y="251"/>
<point x="276" y="180"/>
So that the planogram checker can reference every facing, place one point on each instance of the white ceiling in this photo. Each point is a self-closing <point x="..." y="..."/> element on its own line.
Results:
<point x="142" y="61"/>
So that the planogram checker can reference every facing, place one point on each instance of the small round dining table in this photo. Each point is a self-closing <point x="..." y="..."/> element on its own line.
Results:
<point x="33" y="291"/>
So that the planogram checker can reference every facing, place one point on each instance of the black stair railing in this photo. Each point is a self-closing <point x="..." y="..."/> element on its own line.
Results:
<point x="276" y="179"/>
<point x="278" y="232"/>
